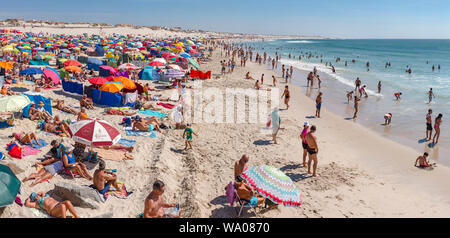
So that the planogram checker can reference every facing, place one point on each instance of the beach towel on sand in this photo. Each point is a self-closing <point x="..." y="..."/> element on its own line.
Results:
<point x="112" y="192"/>
<point x="28" y="150"/>
<point x="153" y="113"/>
<point x="142" y="133"/>
<point x="41" y="142"/>
<point x="126" y="142"/>
<point x="116" y="155"/>
<point x="166" y="105"/>
<point x="4" y="124"/>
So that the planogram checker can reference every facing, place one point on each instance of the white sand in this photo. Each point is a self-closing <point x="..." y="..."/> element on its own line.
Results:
<point x="361" y="173"/>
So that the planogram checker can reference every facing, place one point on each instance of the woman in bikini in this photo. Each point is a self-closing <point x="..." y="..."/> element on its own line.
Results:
<point x="26" y="138"/>
<point x="43" y="201"/>
<point x="60" y="106"/>
<point x="437" y="128"/>
<point x="286" y="96"/>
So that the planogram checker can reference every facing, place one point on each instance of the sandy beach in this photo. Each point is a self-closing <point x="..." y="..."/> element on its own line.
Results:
<point x="361" y="174"/>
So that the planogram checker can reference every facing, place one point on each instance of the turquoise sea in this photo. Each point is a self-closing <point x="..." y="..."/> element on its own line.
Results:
<point x="408" y="122"/>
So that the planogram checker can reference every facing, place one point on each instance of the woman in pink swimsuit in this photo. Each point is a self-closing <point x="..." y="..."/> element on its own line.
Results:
<point x="304" y="142"/>
<point x="437" y="129"/>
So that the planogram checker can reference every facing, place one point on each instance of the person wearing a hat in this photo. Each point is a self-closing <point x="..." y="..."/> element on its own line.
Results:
<point x="304" y="142"/>
<point x="70" y="162"/>
<point x="33" y="113"/>
<point x="52" y="207"/>
<point x="387" y="119"/>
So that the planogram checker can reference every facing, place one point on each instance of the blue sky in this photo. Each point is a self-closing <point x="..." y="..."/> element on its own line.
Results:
<point x="332" y="18"/>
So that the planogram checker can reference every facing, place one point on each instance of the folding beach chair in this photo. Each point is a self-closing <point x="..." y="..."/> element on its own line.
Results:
<point x="244" y="203"/>
<point x="234" y="197"/>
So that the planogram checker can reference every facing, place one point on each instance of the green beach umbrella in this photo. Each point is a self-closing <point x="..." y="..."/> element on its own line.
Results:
<point x="194" y="63"/>
<point x="9" y="186"/>
<point x="14" y="103"/>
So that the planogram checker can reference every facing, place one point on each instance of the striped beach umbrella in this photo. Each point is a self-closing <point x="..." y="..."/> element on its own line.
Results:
<point x="273" y="184"/>
<point x="127" y="66"/>
<point x="95" y="132"/>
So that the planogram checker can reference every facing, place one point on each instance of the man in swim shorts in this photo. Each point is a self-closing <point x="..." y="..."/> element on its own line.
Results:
<point x="318" y="104"/>
<point x="423" y="163"/>
<point x="188" y="131"/>
<point x="429" y="131"/>
<point x="312" y="149"/>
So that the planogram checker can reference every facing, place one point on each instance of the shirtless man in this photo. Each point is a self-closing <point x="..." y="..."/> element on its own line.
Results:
<point x="145" y="126"/>
<point x="423" y="163"/>
<point x="429" y="131"/>
<point x="310" y="79"/>
<point x="154" y="204"/>
<point x="104" y="179"/>
<point x="356" y="106"/>
<point x="318" y="104"/>
<point x="239" y="167"/>
<point x="62" y="125"/>
<point x="312" y="149"/>
<point x="61" y="106"/>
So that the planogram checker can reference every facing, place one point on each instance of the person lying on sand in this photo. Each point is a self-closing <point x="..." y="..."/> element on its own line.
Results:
<point x="25" y="138"/>
<point x="61" y="106"/>
<point x="119" y="112"/>
<point x="63" y="125"/>
<point x="423" y="163"/>
<point x="154" y="204"/>
<point x="49" y="170"/>
<point x="69" y="161"/>
<point x="43" y="201"/>
<point x="147" y="125"/>
<point x="104" y="179"/>
<point x="87" y="103"/>
<point x="239" y="167"/>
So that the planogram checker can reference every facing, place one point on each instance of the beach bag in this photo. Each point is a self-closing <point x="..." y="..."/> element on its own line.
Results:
<point x="2" y="156"/>
<point x="15" y="151"/>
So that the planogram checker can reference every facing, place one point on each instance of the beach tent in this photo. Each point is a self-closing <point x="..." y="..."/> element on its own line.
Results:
<point x="148" y="73"/>
<point x="72" y="87"/>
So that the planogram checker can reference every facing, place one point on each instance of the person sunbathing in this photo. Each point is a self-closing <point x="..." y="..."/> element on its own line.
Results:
<point x="43" y="201"/>
<point x="49" y="170"/>
<point x="43" y="114"/>
<point x="246" y="193"/>
<point x="60" y="106"/>
<point x="25" y="138"/>
<point x="104" y="179"/>
<point x="85" y="102"/>
<point x="61" y="125"/>
<point x="49" y="84"/>
<point x="69" y="162"/>
<point x="33" y="113"/>
<point x="154" y="204"/>
<point x="82" y="115"/>
<point x="49" y="126"/>
<point x="119" y="112"/>
<point x="147" y="125"/>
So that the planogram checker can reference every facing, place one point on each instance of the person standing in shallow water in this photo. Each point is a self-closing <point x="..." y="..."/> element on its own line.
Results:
<point x="379" y="87"/>
<point x="430" y="95"/>
<point x="437" y="128"/>
<point x="356" y="106"/>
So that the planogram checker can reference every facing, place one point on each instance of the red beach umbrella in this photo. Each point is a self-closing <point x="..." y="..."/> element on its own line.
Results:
<point x="95" y="132"/>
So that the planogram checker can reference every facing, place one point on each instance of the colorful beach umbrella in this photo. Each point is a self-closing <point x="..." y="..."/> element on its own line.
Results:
<point x="31" y="71"/>
<point x="9" y="186"/>
<point x="127" y="66"/>
<point x="13" y="103"/>
<point x="72" y="68"/>
<point x="112" y="87"/>
<point x="273" y="184"/>
<point x="53" y="75"/>
<point x="72" y="63"/>
<point x="194" y="63"/>
<point x="98" y="80"/>
<point x="94" y="132"/>
<point x="126" y="82"/>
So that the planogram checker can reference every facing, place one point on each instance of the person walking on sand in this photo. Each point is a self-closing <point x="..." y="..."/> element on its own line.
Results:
<point x="304" y="142"/>
<point x="437" y="128"/>
<point x="318" y="104"/>
<point x="356" y="106"/>
<point x="319" y="81"/>
<point x="286" y="96"/>
<point x="430" y="95"/>
<point x="274" y="81"/>
<point x="262" y="79"/>
<point x="312" y="150"/>
<point x="276" y="122"/>
<point x="429" y="131"/>
<point x="188" y="131"/>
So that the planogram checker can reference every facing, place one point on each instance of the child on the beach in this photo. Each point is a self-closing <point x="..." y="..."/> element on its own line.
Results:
<point x="188" y="131"/>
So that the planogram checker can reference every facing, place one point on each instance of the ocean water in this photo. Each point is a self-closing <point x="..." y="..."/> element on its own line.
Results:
<point x="408" y="122"/>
